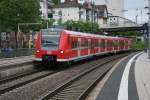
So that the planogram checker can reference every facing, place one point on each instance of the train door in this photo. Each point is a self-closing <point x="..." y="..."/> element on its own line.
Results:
<point x="113" y="45"/>
<point x="116" y="45"/>
<point x="89" y="46"/>
<point x="103" y="45"/>
<point x="79" y="46"/>
<point x="99" y="45"/>
<point x="106" y="45"/>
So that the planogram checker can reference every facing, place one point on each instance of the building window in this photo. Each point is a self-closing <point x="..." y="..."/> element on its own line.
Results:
<point x="50" y="15"/>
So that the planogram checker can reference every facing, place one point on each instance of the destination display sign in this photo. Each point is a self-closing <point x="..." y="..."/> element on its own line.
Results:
<point x="50" y="32"/>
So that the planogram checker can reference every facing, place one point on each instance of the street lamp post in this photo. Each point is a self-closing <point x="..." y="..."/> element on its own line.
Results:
<point x="92" y="15"/>
<point x="136" y="17"/>
<point x="21" y="24"/>
<point x="148" y="7"/>
<point x="149" y="28"/>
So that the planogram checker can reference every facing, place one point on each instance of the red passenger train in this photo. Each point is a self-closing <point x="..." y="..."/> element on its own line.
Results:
<point x="57" y="45"/>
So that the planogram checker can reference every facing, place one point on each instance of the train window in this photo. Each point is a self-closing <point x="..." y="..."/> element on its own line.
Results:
<point x="50" y="40"/>
<point x="92" y="43"/>
<point x="84" y="43"/>
<point x="89" y="43"/>
<point x="74" y="44"/>
<point x="108" y="45"/>
<point x="96" y="43"/>
<point x="99" y="43"/>
<point x="103" y="44"/>
<point x="78" y="43"/>
<point x="121" y="43"/>
<point x="111" y="43"/>
<point x="126" y="43"/>
<point x="115" y="44"/>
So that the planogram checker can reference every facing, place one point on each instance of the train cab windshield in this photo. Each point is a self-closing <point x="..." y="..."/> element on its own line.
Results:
<point x="50" y="39"/>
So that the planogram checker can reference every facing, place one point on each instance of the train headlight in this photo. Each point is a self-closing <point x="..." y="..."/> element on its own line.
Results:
<point x="61" y="51"/>
<point x="37" y="51"/>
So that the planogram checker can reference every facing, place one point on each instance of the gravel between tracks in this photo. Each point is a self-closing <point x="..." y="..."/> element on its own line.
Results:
<point x="21" y="80"/>
<point x="32" y="90"/>
<point x="14" y="62"/>
<point x="16" y="70"/>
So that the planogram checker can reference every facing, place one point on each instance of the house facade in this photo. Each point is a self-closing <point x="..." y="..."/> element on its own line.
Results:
<point x="74" y="10"/>
<point x="102" y="15"/>
<point x="115" y="7"/>
<point x="44" y="4"/>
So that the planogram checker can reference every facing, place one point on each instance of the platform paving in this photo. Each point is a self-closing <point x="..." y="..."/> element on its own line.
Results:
<point x="129" y="81"/>
<point x="16" y="60"/>
<point x="142" y="76"/>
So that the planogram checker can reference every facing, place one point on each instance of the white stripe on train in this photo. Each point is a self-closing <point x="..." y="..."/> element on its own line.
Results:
<point x="81" y="57"/>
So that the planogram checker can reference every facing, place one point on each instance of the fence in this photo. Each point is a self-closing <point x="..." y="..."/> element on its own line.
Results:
<point x="9" y="53"/>
<point x="14" y="45"/>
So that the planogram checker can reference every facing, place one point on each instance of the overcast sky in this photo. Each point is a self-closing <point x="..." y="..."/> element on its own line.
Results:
<point x="136" y="7"/>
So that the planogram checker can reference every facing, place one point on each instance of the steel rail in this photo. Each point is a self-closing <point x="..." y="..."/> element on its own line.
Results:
<point x="62" y="87"/>
<point x="7" y="89"/>
<point x="14" y="65"/>
<point x="14" y="77"/>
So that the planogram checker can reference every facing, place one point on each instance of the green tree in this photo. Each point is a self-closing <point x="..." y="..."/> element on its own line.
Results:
<point x="13" y="12"/>
<point x="45" y="22"/>
<point x="82" y="26"/>
<point x="126" y="33"/>
<point x="56" y="2"/>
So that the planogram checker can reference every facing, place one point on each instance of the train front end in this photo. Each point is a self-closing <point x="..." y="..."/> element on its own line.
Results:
<point x="47" y="46"/>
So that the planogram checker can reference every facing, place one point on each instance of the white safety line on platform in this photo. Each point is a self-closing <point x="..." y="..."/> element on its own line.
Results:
<point x="123" y="90"/>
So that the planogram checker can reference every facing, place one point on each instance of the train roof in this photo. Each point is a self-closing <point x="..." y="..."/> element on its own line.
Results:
<point x="92" y="35"/>
<point x="81" y="33"/>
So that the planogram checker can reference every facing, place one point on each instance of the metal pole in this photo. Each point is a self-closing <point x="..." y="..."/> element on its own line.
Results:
<point x="47" y="25"/>
<point x="18" y="28"/>
<point x="92" y="16"/>
<point x="17" y="35"/>
<point x="149" y="28"/>
<point x="136" y="19"/>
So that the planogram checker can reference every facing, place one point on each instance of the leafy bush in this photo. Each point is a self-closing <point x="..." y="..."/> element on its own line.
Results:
<point x="139" y="45"/>
<point x="82" y="26"/>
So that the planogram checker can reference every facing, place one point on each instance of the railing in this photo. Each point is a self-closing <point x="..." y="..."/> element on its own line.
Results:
<point x="9" y="53"/>
<point x="121" y="25"/>
<point x="117" y="22"/>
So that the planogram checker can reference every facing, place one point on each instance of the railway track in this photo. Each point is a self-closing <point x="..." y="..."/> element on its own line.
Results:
<point x="10" y="65"/>
<point x="14" y="83"/>
<point x="11" y="83"/>
<point x="79" y="86"/>
<point x="17" y="76"/>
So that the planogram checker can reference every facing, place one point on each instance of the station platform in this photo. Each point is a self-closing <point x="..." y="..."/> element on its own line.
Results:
<point x="130" y="80"/>
<point x="15" y="60"/>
